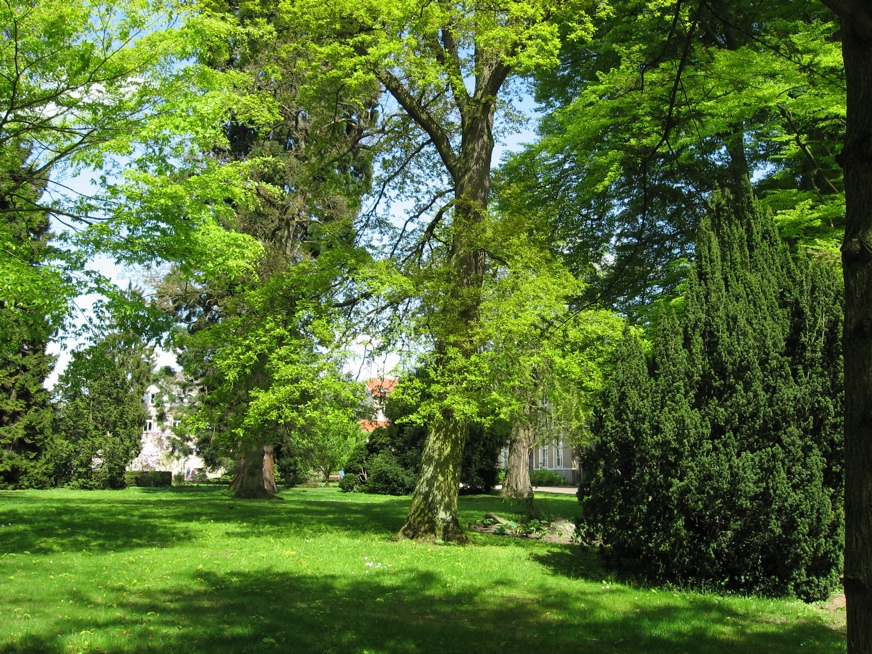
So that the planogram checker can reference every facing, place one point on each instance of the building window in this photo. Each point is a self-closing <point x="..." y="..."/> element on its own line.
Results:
<point x="543" y="456"/>
<point x="149" y="425"/>
<point x="558" y="455"/>
<point x="151" y="398"/>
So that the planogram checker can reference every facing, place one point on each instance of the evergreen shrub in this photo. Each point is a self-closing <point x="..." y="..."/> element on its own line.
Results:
<point x="385" y="476"/>
<point x="718" y="458"/>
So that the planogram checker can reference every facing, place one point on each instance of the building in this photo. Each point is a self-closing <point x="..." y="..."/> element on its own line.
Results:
<point x="379" y="389"/>
<point x="162" y="447"/>
<point x="555" y="455"/>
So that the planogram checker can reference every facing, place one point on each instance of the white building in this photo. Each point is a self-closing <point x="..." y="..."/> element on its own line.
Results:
<point x="160" y="443"/>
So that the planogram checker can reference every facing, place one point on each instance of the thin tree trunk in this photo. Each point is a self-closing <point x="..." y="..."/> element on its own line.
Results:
<point x="255" y="477"/>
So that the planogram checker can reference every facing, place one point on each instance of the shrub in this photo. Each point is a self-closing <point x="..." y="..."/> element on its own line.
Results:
<point x="385" y="476"/>
<point x="546" y="478"/>
<point x="149" y="478"/>
<point x="718" y="461"/>
<point x="349" y="483"/>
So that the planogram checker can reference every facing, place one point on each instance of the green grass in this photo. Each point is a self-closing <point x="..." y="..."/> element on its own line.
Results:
<point x="193" y="570"/>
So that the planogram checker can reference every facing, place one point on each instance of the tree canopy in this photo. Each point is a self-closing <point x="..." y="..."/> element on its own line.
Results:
<point x="304" y="173"/>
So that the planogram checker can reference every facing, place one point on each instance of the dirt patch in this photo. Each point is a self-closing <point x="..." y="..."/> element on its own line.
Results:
<point x="835" y="603"/>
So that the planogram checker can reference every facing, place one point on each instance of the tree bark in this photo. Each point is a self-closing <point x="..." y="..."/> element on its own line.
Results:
<point x="255" y="477"/>
<point x="856" y="159"/>
<point x="433" y="514"/>
<point x="517" y="484"/>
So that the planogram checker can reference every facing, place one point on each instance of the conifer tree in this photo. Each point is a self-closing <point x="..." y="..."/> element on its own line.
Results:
<point x="25" y="326"/>
<point x="728" y="470"/>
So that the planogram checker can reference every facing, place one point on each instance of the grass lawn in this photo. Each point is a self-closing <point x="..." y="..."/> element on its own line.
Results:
<point x="193" y="570"/>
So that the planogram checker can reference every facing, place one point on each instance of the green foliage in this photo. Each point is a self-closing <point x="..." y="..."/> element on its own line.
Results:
<point x="100" y="413"/>
<point x="669" y="101"/>
<point x="349" y="483"/>
<point x="546" y="478"/>
<point x="385" y="475"/>
<point x="389" y="460"/>
<point x="718" y="463"/>
<point x="290" y="470"/>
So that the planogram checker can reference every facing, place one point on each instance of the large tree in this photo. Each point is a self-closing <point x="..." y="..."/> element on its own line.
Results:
<point x="74" y="83"/>
<point x="302" y="158"/>
<point x="444" y="64"/>
<point x="669" y="100"/>
<point x="856" y="159"/>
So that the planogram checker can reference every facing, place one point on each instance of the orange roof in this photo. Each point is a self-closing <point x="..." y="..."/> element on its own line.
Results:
<point x="371" y="425"/>
<point x="382" y="387"/>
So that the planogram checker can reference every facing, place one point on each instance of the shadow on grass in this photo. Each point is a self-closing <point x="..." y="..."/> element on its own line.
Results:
<point x="44" y="522"/>
<point x="408" y="611"/>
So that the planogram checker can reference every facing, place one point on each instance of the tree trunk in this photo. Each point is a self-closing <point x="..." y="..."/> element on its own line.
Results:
<point x="433" y="514"/>
<point x="517" y="485"/>
<point x="255" y="477"/>
<point x="856" y="159"/>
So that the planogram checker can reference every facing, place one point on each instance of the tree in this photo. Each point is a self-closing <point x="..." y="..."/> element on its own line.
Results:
<point x="719" y="463"/>
<point x="669" y="101"/>
<point x="856" y="159"/>
<point x="444" y="64"/>
<point x="100" y="413"/>
<point x="301" y="157"/>
<point x="389" y="462"/>
<point x="74" y="81"/>
<point x="27" y="320"/>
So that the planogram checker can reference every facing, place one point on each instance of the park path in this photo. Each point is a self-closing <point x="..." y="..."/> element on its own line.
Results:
<point x="563" y="490"/>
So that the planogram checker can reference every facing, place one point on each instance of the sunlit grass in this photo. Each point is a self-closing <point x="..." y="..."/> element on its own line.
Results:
<point x="193" y="570"/>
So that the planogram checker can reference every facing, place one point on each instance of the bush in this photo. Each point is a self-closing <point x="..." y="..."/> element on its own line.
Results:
<point x="718" y="461"/>
<point x="385" y="476"/>
<point x="149" y="478"/>
<point x="546" y="478"/>
<point x="349" y="483"/>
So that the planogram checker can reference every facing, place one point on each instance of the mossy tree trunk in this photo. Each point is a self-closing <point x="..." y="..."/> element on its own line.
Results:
<point x="255" y="477"/>
<point x="433" y="514"/>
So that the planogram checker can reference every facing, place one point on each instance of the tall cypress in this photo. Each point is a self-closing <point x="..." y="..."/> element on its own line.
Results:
<point x="25" y="327"/>
<point x="737" y="475"/>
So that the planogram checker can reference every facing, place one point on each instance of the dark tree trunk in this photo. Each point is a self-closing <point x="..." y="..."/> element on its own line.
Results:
<point x="856" y="159"/>
<point x="255" y="477"/>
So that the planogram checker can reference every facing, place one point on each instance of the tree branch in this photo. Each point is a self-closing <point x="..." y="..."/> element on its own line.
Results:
<point x="423" y="118"/>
